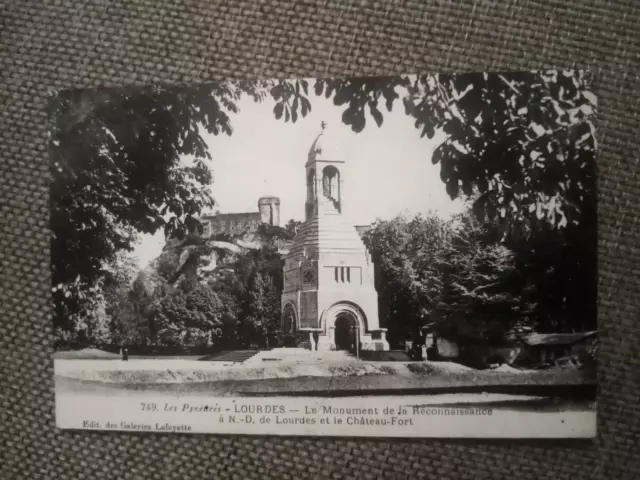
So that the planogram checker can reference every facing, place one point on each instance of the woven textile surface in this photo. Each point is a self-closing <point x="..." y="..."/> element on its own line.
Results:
<point x="46" y="45"/>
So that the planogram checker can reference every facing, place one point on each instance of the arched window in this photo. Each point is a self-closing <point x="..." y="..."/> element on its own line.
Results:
<point x="331" y="184"/>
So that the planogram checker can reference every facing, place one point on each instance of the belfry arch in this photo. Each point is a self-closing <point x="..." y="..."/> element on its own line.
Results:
<point x="331" y="185"/>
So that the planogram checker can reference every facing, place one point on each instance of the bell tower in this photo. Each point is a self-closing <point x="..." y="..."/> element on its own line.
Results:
<point x="329" y="289"/>
<point x="324" y="178"/>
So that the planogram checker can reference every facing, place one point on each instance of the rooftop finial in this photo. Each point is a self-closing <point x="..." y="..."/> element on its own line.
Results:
<point x="319" y="147"/>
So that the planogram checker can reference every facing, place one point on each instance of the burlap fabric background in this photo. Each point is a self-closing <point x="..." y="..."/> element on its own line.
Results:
<point x="52" y="44"/>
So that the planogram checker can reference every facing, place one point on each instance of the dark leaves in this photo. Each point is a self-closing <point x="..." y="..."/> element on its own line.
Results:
<point x="278" y="109"/>
<point x="360" y="95"/>
<point x="117" y="171"/>
<point x="375" y="113"/>
<point x="518" y="130"/>
<point x="291" y="100"/>
<point x="354" y="117"/>
<point x="455" y="274"/>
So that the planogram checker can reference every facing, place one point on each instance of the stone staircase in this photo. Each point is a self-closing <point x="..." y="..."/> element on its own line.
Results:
<point x="284" y="356"/>
<point x="329" y="208"/>
<point x="232" y="356"/>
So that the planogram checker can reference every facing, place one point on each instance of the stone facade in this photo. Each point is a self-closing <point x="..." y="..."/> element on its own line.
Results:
<point x="238" y="223"/>
<point x="328" y="274"/>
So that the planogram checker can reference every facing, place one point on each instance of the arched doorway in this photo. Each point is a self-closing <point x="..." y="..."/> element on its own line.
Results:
<point x="343" y="324"/>
<point x="345" y="332"/>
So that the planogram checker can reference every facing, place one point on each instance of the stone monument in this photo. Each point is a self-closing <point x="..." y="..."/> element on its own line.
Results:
<point x="329" y="287"/>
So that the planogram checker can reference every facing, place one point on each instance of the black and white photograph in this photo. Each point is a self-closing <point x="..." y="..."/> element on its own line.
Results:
<point x="402" y="256"/>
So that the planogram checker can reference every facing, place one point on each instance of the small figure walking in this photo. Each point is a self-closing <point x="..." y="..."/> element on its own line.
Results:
<point x="125" y="355"/>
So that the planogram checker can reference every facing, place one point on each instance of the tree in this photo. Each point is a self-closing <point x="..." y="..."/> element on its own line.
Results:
<point x="483" y="297"/>
<point x="261" y="312"/>
<point x="191" y="317"/>
<point x="128" y="324"/>
<point x="127" y="305"/>
<point x="292" y="227"/>
<point x="250" y="287"/>
<point x="563" y="269"/>
<point x="408" y="256"/>
<point x="456" y="275"/>
<point x="107" y="305"/>
<point x="118" y="162"/>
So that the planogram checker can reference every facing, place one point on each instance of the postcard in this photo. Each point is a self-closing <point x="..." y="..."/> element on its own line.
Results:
<point x="405" y="256"/>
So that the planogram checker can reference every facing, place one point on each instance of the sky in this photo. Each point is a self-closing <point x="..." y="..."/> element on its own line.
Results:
<point x="388" y="169"/>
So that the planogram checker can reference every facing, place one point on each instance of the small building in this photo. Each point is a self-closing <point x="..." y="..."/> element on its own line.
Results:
<point x="549" y="348"/>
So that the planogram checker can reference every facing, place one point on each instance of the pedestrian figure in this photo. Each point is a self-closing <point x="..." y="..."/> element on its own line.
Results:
<point x="125" y="355"/>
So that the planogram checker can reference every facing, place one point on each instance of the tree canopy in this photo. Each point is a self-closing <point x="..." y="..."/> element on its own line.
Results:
<point x="119" y="170"/>
<point x="408" y="256"/>
<point x="484" y="298"/>
<point x="455" y="276"/>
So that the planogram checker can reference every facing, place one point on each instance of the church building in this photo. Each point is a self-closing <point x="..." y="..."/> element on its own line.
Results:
<point x="329" y="287"/>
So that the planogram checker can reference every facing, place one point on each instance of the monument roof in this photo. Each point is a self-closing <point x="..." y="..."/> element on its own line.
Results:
<point x="324" y="147"/>
<point x="328" y="233"/>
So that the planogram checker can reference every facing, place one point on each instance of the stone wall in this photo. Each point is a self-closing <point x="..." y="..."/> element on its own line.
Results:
<point x="231" y="223"/>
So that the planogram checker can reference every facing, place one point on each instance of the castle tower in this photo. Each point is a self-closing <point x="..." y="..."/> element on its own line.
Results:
<point x="269" y="208"/>
<point x="328" y="274"/>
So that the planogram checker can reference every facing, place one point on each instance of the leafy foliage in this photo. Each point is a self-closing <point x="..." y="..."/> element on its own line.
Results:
<point x="190" y="317"/>
<point x="408" y="256"/>
<point x="521" y="145"/>
<point x="456" y="275"/>
<point x="290" y="97"/>
<point x="261" y="311"/>
<point x="361" y="95"/>
<point x="254" y="283"/>
<point x="127" y="308"/>
<point x="119" y="168"/>
<point x="483" y="298"/>
<point x="563" y="269"/>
